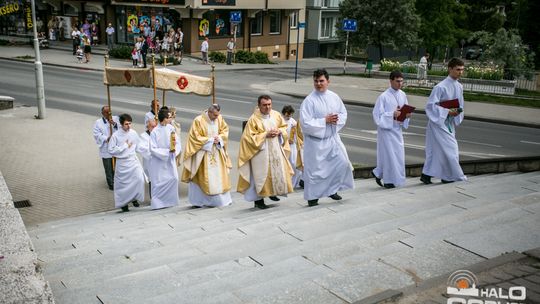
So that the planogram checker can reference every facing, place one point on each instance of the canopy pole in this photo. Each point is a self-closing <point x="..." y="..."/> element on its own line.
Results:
<point x="163" y="98"/>
<point x="109" y="104"/>
<point x="213" y="83"/>
<point x="154" y="82"/>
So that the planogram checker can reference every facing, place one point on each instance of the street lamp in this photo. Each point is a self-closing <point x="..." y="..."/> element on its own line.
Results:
<point x="39" y="68"/>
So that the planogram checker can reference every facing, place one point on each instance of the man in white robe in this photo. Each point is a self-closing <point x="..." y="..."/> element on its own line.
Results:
<point x="144" y="150"/>
<point x="295" y="156"/>
<point x="442" y="153"/>
<point x="327" y="168"/>
<point x="151" y="115"/>
<point x="102" y="134"/>
<point x="390" y="147"/>
<point x="129" y="175"/>
<point x="164" y="147"/>
<point x="206" y="160"/>
<point x="263" y="167"/>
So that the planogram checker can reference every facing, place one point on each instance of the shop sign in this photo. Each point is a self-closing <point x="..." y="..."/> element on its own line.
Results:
<point x="28" y="14"/>
<point x="175" y="2"/>
<point x="218" y="2"/>
<point x="9" y="9"/>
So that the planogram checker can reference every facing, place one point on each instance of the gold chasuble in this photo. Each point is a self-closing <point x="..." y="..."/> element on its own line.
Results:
<point x="299" y="147"/>
<point x="208" y="167"/>
<point x="264" y="157"/>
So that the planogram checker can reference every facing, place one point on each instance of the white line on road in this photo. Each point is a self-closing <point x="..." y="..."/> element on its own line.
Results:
<point x="529" y="142"/>
<point x="479" y="143"/>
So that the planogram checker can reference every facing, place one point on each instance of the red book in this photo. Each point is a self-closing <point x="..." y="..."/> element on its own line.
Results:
<point x="404" y="111"/>
<point x="450" y="104"/>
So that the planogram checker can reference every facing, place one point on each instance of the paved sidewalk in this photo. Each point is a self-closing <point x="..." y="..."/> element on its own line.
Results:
<point x="353" y="90"/>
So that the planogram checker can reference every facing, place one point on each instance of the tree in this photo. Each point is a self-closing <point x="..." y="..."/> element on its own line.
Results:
<point x="440" y="21"/>
<point x="382" y="23"/>
<point x="505" y="49"/>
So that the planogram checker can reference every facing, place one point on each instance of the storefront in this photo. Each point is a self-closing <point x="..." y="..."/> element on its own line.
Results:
<point x="131" y="18"/>
<point x="16" y="18"/>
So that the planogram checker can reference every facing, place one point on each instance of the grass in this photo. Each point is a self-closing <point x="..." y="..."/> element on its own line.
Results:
<point x="490" y="98"/>
<point x="25" y="57"/>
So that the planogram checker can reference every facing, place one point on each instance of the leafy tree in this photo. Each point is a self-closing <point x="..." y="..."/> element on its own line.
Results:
<point x="382" y="23"/>
<point x="440" y="23"/>
<point x="505" y="49"/>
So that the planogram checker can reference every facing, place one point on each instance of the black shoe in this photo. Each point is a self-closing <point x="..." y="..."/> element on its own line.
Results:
<point x="446" y="181"/>
<point x="426" y="179"/>
<point x="196" y="207"/>
<point x="301" y="183"/>
<point x="377" y="180"/>
<point x="314" y="202"/>
<point x="125" y="208"/>
<point x="136" y="204"/>
<point x="260" y="204"/>
<point x="335" y="196"/>
<point x="389" y="186"/>
<point x="274" y="198"/>
<point x="111" y="188"/>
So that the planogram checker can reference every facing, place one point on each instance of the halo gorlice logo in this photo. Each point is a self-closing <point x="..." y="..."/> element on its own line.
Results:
<point x="462" y="289"/>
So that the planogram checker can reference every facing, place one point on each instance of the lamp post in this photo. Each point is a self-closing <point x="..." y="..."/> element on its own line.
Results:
<point x="39" y="68"/>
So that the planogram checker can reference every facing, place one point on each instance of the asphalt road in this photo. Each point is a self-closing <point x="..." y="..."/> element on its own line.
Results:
<point x="83" y="91"/>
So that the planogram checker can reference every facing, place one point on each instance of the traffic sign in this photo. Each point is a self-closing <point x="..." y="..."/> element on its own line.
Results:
<point x="349" y="25"/>
<point x="301" y="25"/>
<point x="236" y="16"/>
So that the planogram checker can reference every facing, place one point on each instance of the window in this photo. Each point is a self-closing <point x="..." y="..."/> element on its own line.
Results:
<point x="275" y="22"/>
<point x="293" y="20"/>
<point x="276" y="54"/>
<point x="327" y="27"/>
<point x="256" y="24"/>
<point x="293" y="53"/>
<point x="216" y="24"/>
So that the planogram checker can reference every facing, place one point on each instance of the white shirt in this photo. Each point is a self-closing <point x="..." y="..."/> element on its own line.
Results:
<point x="109" y="30"/>
<point x="204" y="46"/>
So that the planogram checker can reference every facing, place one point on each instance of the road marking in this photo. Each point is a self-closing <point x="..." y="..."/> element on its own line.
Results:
<point x="235" y="100"/>
<point x="529" y="142"/>
<point x="419" y="127"/>
<point x="479" y="143"/>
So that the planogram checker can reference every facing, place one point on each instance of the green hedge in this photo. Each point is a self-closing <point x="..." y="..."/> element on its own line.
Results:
<point x="217" y="57"/>
<point x="170" y="59"/>
<point x="121" y="52"/>
<point x="249" y="57"/>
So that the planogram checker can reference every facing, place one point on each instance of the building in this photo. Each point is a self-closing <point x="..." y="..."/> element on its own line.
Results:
<point x="266" y="25"/>
<point x="321" y="19"/>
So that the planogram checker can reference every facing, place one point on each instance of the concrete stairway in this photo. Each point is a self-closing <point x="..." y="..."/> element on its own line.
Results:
<point x="338" y="252"/>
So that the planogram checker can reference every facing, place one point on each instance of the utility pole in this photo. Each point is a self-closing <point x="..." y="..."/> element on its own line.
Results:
<point x="39" y="68"/>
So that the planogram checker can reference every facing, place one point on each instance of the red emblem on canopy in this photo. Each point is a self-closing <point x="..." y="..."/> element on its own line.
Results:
<point x="182" y="82"/>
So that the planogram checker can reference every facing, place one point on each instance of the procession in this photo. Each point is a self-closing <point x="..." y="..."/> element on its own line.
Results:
<point x="278" y="153"/>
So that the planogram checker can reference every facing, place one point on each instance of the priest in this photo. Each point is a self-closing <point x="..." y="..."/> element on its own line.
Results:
<point x="390" y="147"/>
<point x="327" y="168"/>
<point x="262" y="162"/>
<point x="129" y="175"/>
<point x="206" y="160"/>
<point x="442" y="152"/>
<point x="164" y="147"/>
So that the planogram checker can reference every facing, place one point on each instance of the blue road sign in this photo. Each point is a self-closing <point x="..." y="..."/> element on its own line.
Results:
<point x="236" y="16"/>
<point x="349" y="25"/>
<point x="301" y="25"/>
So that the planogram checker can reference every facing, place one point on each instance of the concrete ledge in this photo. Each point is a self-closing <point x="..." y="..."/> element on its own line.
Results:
<point x="21" y="279"/>
<point x="6" y="102"/>
<point x="472" y="167"/>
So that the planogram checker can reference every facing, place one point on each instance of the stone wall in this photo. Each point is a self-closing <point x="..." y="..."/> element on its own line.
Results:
<point x="21" y="279"/>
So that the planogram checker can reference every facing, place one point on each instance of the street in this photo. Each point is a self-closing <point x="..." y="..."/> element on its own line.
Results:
<point x="82" y="91"/>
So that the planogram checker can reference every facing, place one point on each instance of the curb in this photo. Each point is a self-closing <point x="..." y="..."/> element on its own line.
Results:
<point x="390" y="295"/>
<point x="420" y="111"/>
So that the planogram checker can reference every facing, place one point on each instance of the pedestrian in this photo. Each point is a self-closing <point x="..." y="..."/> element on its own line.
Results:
<point x="135" y="57"/>
<point x="390" y="147"/>
<point x="179" y="47"/>
<point x="60" y="26"/>
<point x="230" y="50"/>
<point x="129" y="175"/>
<point x="144" y="151"/>
<point x="75" y="38"/>
<point x="295" y="157"/>
<point x="80" y="54"/>
<point x="262" y="161"/>
<point x="327" y="168"/>
<point x="110" y="36"/>
<point x="164" y="147"/>
<point x="85" y="29"/>
<point x="95" y="34"/>
<point x="204" y="50"/>
<point x="422" y="69"/>
<point x="152" y="114"/>
<point x="165" y="46"/>
<point x="206" y="160"/>
<point x="102" y="131"/>
<point x="445" y="112"/>
<point x="138" y="46"/>
<point x="144" y="51"/>
<point x="87" y="48"/>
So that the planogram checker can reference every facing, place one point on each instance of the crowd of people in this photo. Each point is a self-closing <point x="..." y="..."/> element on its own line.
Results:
<point x="152" y="40"/>
<point x="276" y="152"/>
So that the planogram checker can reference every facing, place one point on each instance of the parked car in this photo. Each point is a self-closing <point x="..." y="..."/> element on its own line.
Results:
<point x="473" y="53"/>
